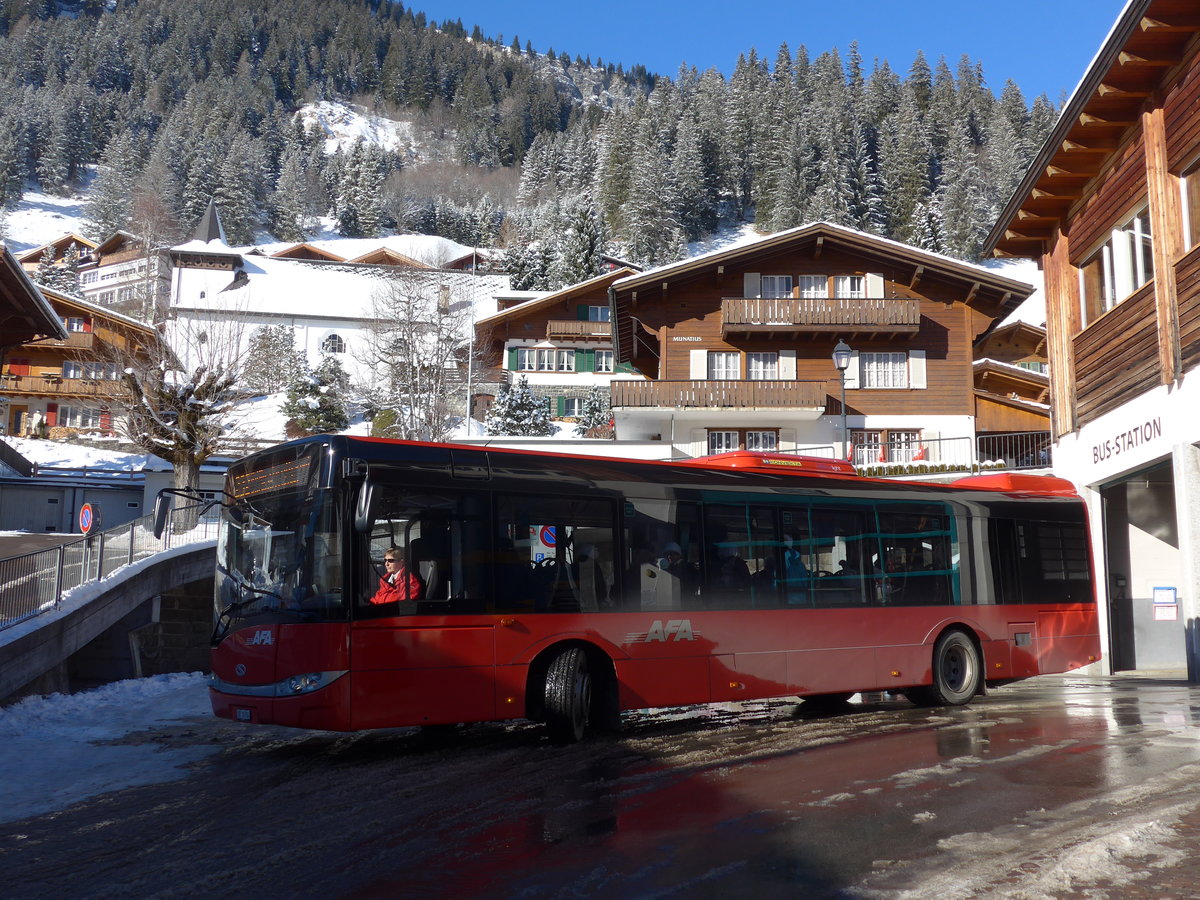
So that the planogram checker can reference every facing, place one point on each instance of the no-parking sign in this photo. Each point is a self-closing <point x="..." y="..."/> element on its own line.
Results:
<point x="89" y="518"/>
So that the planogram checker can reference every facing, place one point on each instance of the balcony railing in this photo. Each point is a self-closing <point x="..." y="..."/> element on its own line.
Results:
<point x="573" y="328"/>
<point x="718" y="394"/>
<point x="991" y="452"/>
<point x="820" y="314"/>
<point x="54" y="383"/>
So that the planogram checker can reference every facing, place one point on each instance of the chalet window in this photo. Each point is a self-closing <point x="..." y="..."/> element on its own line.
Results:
<point x="853" y="286"/>
<point x="762" y="366"/>
<point x="728" y="440"/>
<point x="814" y="286"/>
<point x="883" y="370"/>
<point x="724" y="365"/>
<point x="762" y="441"/>
<point x="333" y="344"/>
<point x="723" y="441"/>
<point x="598" y="313"/>
<point x="124" y="294"/>
<point x="604" y="360"/>
<point x="550" y="360"/>
<point x="884" y="445"/>
<point x="572" y="407"/>
<point x="526" y="359"/>
<point x="72" y="369"/>
<point x="1122" y="265"/>
<point x="1190" y="186"/>
<point x="78" y="417"/>
<point x="74" y="323"/>
<point x="776" y="286"/>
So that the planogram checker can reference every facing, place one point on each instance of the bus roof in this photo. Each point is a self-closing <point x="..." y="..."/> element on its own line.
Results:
<point x="1018" y="483"/>
<point x="748" y="460"/>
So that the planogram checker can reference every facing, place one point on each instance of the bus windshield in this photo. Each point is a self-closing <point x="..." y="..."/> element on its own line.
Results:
<point x="277" y="552"/>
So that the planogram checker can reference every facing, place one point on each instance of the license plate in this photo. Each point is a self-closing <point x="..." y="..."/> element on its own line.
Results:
<point x="242" y="715"/>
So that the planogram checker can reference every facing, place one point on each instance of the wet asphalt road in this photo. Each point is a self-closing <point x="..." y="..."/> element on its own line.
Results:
<point x="1064" y="787"/>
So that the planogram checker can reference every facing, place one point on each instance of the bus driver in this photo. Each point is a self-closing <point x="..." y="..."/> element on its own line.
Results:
<point x="397" y="582"/>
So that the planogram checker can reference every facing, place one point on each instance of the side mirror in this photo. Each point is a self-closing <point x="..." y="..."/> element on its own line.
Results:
<point x="162" y="509"/>
<point x="363" y="509"/>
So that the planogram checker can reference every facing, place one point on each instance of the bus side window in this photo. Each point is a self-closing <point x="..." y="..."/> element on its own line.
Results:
<point x="661" y="570"/>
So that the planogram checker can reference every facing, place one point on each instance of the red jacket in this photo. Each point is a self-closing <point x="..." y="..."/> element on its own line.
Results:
<point x="404" y="586"/>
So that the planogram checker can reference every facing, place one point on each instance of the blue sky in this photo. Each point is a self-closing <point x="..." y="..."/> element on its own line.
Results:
<point x="1042" y="45"/>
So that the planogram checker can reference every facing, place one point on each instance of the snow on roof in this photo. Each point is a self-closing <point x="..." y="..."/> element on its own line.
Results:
<point x="425" y="248"/>
<point x="781" y="236"/>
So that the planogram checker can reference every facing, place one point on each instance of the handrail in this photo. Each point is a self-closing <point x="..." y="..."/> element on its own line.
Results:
<point x="33" y="583"/>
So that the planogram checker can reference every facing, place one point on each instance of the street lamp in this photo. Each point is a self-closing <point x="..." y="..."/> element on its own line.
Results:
<point x="841" y="361"/>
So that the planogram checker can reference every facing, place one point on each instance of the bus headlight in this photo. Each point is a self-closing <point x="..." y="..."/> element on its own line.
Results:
<point x="303" y="684"/>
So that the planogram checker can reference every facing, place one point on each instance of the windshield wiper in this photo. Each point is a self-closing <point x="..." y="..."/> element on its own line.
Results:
<point x="225" y="616"/>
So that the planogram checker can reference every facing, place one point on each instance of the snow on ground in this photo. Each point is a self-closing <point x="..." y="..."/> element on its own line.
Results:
<point x="40" y="218"/>
<point x="63" y="745"/>
<point x="344" y="126"/>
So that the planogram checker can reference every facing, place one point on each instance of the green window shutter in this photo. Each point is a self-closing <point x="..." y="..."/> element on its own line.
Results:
<point x="562" y="406"/>
<point x="512" y="359"/>
<point x="585" y="360"/>
<point x="581" y="312"/>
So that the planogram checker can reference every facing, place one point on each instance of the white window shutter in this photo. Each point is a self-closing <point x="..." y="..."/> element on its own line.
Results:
<point x="787" y="365"/>
<point x="699" y="365"/>
<point x="874" y="285"/>
<point x="929" y="440"/>
<point x="916" y="369"/>
<point x="852" y="372"/>
<point x="751" y="284"/>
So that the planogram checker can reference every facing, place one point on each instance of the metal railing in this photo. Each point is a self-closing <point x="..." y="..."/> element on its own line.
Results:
<point x="1017" y="450"/>
<point x="34" y="583"/>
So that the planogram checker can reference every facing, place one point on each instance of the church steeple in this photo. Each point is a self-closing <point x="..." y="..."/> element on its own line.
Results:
<point x="209" y="229"/>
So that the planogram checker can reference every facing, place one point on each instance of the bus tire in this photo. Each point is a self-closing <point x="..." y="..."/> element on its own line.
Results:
<point x="568" y="696"/>
<point x="957" y="672"/>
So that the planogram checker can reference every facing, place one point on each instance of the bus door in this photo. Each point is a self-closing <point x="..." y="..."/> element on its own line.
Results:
<point x="423" y="646"/>
<point x="553" y="576"/>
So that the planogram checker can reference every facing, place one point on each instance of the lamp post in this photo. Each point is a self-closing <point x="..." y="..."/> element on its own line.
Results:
<point x="841" y="361"/>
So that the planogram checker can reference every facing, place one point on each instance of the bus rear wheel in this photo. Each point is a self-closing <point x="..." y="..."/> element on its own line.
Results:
<point x="568" y="696"/>
<point x="956" y="673"/>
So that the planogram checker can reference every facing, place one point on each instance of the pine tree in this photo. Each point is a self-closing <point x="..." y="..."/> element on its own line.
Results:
<point x="316" y="400"/>
<point x="517" y="412"/>
<point x="581" y="245"/>
<point x="596" y="415"/>
<point x="272" y="361"/>
<point x="110" y="200"/>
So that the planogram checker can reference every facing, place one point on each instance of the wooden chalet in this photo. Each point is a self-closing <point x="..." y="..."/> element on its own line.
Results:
<point x="560" y="341"/>
<point x="737" y="347"/>
<point x="1110" y="208"/>
<point x="69" y="380"/>
<point x="59" y="247"/>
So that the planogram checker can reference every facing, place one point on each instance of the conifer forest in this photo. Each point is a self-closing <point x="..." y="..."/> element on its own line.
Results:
<point x="152" y="107"/>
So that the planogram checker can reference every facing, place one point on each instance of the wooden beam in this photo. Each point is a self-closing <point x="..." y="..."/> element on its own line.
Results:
<point x="818" y="245"/>
<point x="1113" y="92"/>
<point x="1098" y="146"/>
<point x="1043" y="194"/>
<point x="916" y="278"/>
<point x="1078" y="170"/>
<point x="1181" y="25"/>
<point x="1087" y="120"/>
<point x="971" y="293"/>
<point x="1132" y="59"/>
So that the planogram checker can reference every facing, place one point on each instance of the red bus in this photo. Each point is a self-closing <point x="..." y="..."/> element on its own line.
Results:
<point x="566" y="589"/>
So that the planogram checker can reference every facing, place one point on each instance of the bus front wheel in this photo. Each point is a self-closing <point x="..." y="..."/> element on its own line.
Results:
<point x="956" y="673"/>
<point x="568" y="696"/>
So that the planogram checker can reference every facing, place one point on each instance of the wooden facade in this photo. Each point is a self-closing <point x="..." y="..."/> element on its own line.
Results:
<point x="70" y="381"/>
<point x="790" y="298"/>
<point x="574" y="321"/>
<point x="1111" y="209"/>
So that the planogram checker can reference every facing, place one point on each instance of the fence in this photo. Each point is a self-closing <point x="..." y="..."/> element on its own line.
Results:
<point x="34" y="583"/>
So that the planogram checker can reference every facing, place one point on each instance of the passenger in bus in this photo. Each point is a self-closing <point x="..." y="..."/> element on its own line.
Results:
<point x="397" y="582"/>
<point x="795" y="573"/>
<point x="732" y="570"/>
